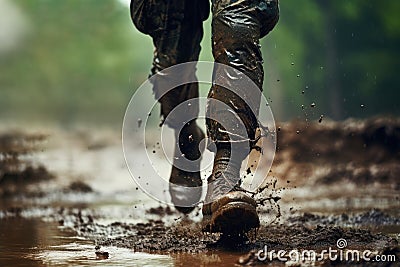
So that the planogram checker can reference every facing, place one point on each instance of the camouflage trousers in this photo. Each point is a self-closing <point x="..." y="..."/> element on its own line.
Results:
<point x="176" y="27"/>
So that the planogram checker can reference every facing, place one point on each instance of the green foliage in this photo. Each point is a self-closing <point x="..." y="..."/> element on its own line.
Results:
<point x="80" y="61"/>
<point x="346" y="53"/>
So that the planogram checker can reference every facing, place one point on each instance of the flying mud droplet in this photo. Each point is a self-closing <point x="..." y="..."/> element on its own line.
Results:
<point x="362" y="106"/>
<point x="302" y="92"/>
<point x="137" y="164"/>
<point x="312" y="105"/>
<point x="248" y="171"/>
<point x="292" y="63"/>
<point x="320" y="118"/>
<point x="302" y="107"/>
<point x="100" y="254"/>
<point x="298" y="75"/>
<point x="297" y="132"/>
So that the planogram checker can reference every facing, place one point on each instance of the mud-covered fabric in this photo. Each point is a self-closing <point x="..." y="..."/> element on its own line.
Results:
<point x="149" y="15"/>
<point x="237" y="27"/>
<point x="176" y="29"/>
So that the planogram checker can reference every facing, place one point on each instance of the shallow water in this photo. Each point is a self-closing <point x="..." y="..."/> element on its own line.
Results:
<point x="32" y="242"/>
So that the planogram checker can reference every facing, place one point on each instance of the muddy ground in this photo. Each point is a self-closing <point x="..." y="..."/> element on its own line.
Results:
<point x="329" y="181"/>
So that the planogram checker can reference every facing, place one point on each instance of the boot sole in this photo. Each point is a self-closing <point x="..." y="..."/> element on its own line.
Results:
<point x="191" y="180"/>
<point x="234" y="218"/>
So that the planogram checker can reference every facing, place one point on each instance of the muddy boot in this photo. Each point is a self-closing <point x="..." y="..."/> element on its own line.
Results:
<point x="232" y="212"/>
<point x="186" y="167"/>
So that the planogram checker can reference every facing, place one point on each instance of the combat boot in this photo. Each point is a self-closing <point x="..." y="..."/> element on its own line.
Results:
<point x="188" y="158"/>
<point x="228" y="209"/>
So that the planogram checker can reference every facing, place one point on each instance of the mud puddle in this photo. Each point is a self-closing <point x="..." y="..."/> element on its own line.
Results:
<point x="341" y="186"/>
<point x="32" y="242"/>
<point x="79" y="237"/>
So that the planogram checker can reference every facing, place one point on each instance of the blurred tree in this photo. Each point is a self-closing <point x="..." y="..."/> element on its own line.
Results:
<point x="79" y="62"/>
<point x="82" y="60"/>
<point x="344" y="56"/>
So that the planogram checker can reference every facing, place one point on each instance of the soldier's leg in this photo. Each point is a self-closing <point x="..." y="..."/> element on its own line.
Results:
<point x="237" y="27"/>
<point x="176" y="29"/>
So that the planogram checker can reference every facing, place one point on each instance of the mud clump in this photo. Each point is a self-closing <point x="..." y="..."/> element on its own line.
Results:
<point x="100" y="254"/>
<point x="79" y="187"/>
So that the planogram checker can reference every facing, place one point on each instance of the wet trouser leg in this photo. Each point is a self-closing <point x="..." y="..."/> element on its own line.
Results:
<point x="237" y="27"/>
<point x="176" y="29"/>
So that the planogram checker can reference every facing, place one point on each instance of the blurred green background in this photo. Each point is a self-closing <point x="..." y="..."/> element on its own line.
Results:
<point x="81" y="60"/>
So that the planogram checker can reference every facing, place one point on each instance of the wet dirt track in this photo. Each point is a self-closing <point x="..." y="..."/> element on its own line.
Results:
<point x="329" y="181"/>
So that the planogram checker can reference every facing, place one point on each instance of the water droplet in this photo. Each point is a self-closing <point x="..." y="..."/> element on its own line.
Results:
<point x="297" y="131"/>
<point x="139" y="122"/>
<point x="320" y="118"/>
<point x="302" y="92"/>
<point x="298" y="75"/>
<point x="190" y="138"/>
<point x="362" y="106"/>
<point x="312" y="105"/>
<point x="302" y="106"/>
<point x="292" y="63"/>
